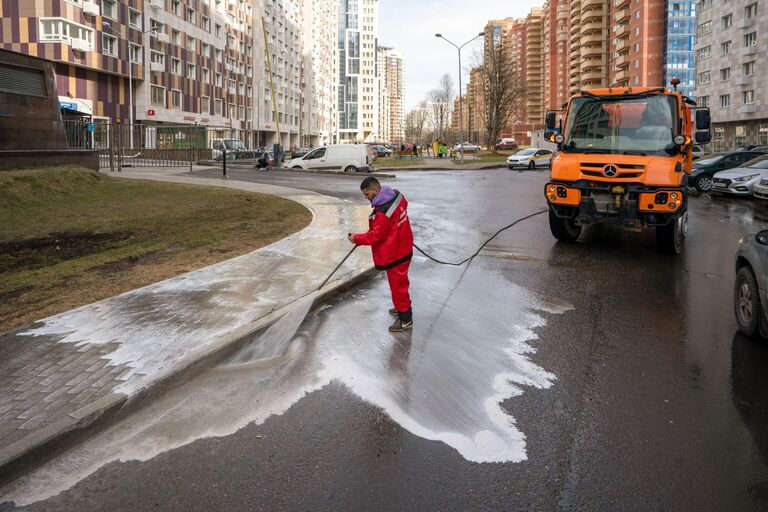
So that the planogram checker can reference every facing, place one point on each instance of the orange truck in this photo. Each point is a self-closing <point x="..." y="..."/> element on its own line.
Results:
<point x="624" y="155"/>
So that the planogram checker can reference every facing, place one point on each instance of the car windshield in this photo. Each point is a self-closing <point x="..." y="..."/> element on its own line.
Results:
<point x="526" y="152"/>
<point x="760" y="162"/>
<point x="635" y="125"/>
<point x="234" y="144"/>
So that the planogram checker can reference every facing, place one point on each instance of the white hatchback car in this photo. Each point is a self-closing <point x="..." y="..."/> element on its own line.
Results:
<point x="741" y="181"/>
<point x="530" y="158"/>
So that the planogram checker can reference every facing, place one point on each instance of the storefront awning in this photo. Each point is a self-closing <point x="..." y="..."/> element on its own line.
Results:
<point x="84" y="107"/>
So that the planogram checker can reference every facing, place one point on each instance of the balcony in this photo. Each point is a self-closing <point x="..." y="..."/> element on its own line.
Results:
<point x="589" y="3"/>
<point x="745" y="80"/>
<point x="746" y="23"/>
<point x="621" y="62"/>
<point x="747" y="109"/>
<point x="620" y="76"/>
<point x="621" y="46"/>
<point x="621" y="30"/>
<point x="91" y="9"/>
<point x="156" y="66"/>
<point x="621" y="16"/>
<point x="621" y="3"/>
<point x="595" y="26"/>
<point x="594" y="76"/>
<point x="593" y="50"/>
<point x="749" y="50"/>
<point x="589" y="65"/>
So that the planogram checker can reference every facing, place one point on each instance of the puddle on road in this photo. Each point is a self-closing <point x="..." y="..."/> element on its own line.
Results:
<point x="445" y="381"/>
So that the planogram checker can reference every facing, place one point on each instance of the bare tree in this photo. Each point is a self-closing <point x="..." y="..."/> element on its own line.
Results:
<point x="502" y="92"/>
<point x="440" y="101"/>
<point x="416" y="122"/>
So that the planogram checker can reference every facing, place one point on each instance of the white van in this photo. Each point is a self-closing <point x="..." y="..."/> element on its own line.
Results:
<point x="345" y="157"/>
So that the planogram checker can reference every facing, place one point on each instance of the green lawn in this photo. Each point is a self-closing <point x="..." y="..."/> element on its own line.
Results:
<point x="69" y="236"/>
<point x="389" y="162"/>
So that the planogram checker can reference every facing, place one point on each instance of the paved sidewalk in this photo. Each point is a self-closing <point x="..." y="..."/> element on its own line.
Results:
<point x="62" y="372"/>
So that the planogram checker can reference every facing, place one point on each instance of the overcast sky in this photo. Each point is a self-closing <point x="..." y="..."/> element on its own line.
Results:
<point x="410" y="26"/>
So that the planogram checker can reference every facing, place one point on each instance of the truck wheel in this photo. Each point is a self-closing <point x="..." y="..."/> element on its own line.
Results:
<point x="703" y="183"/>
<point x="670" y="238"/>
<point x="565" y="230"/>
<point x="746" y="302"/>
<point x="350" y="168"/>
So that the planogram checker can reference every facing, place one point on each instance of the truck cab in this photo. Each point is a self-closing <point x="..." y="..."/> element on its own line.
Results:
<point x="623" y="158"/>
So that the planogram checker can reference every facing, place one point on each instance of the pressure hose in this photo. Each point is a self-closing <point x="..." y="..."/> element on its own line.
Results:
<point x="470" y="258"/>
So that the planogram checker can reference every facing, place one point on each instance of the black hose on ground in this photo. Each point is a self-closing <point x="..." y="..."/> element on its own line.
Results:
<point x="460" y="263"/>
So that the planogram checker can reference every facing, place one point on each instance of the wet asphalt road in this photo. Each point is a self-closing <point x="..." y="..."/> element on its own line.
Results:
<point x="654" y="401"/>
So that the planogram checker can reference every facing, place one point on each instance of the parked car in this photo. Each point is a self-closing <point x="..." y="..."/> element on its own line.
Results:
<point x="760" y="190"/>
<point x="506" y="145"/>
<point x="704" y="169"/>
<point x="346" y="157"/>
<point x="741" y="180"/>
<point x="698" y="153"/>
<point x="382" y="151"/>
<point x="530" y="158"/>
<point x="235" y="148"/>
<point x="299" y="152"/>
<point x="466" y="147"/>
<point x="750" y="293"/>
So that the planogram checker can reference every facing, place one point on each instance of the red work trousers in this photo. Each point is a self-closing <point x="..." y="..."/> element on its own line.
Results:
<point x="399" y="285"/>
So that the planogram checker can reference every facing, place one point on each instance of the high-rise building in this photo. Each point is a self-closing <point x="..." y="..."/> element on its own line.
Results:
<point x="731" y="67"/>
<point x="680" y="30"/>
<point x="391" y="75"/>
<point x="589" y="44"/>
<point x="534" y="67"/>
<point x="320" y="72"/>
<point x="637" y="42"/>
<point x="358" y="95"/>
<point x="555" y="54"/>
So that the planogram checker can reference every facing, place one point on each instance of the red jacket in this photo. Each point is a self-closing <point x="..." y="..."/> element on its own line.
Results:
<point x="390" y="235"/>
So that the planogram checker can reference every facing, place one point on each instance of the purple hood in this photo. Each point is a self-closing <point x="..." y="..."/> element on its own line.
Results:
<point x="385" y="195"/>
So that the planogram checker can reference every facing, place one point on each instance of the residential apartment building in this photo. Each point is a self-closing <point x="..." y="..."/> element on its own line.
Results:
<point x="731" y="67"/>
<point x="534" y="67"/>
<point x="319" y="73"/>
<point x="680" y="30"/>
<point x="555" y="53"/>
<point x="358" y="94"/>
<point x="637" y="42"/>
<point x="391" y="76"/>
<point x="588" y="44"/>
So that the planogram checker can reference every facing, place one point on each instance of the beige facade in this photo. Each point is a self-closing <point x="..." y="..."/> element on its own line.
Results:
<point x="319" y="72"/>
<point x="588" y="44"/>
<point x="391" y="76"/>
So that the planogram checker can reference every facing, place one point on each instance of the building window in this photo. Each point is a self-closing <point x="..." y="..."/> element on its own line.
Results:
<point x="205" y="105"/>
<point x="748" y="68"/>
<point x="175" y="66"/>
<point x="134" y="18"/>
<point x="109" y="9"/>
<point x="704" y="77"/>
<point x="205" y="23"/>
<point x="205" y="50"/>
<point x="703" y="101"/>
<point x="218" y="107"/>
<point x="705" y="4"/>
<point x="157" y="57"/>
<point x="725" y="74"/>
<point x="61" y="30"/>
<point x="725" y="100"/>
<point x="157" y="95"/>
<point x="175" y="7"/>
<point x="750" y="11"/>
<point x="762" y="134"/>
<point x="134" y="53"/>
<point x="176" y="37"/>
<point x="190" y="16"/>
<point x="727" y="21"/>
<point x="175" y="98"/>
<point x="740" y="136"/>
<point x="750" y="39"/>
<point x="725" y="48"/>
<point x="218" y="80"/>
<point x="206" y="75"/>
<point x="191" y="43"/>
<point x="191" y="71"/>
<point x="218" y="29"/>
<point x="705" y="28"/>
<point x="109" y="45"/>
<point x="704" y="53"/>
<point x="748" y="97"/>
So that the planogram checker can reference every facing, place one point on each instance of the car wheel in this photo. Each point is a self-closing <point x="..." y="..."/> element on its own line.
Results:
<point x="511" y="167"/>
<point x="297" y="167"/>
<point x="703" y="183"/>
<point x="531" y="165"/>
<point x="350" y="169"/>
<point x="746" y="302"/>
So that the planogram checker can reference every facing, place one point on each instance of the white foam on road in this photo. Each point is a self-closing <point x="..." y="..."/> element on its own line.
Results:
<point x="453" y="379"/>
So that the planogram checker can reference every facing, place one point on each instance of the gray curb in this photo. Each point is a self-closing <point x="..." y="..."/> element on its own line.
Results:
<point x="41" y="446"/>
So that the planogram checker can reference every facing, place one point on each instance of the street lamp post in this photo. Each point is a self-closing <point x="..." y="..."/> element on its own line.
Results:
<point x="461" y="127"/>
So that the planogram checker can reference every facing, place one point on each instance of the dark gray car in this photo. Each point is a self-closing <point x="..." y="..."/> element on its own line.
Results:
<point x="750" y="292"/>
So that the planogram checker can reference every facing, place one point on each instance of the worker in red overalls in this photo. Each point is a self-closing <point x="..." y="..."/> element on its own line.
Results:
<point x="391" y="241"/>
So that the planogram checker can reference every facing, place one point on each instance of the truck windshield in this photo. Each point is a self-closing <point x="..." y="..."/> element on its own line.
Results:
<point x="234" y="144"/>
<point x="641" y="125"/>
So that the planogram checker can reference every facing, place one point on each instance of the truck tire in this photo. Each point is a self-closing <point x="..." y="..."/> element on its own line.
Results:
<point x="670" y="238"/>
<point x="746" y="302"/>
<point x="565" y="230"/>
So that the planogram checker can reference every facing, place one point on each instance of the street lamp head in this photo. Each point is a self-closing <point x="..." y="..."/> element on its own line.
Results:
<point x="438" y="35"/>
<point x="481" y="34"/>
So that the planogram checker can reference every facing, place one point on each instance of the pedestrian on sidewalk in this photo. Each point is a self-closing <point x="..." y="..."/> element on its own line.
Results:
<point x="391" y="240"/>
<point x="415" y="150"/>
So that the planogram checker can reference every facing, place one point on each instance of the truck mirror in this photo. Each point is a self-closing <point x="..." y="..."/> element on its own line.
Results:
<point x="551" y="121"/>
<point x="703" y="137"/>
<point x="703" y="119"/>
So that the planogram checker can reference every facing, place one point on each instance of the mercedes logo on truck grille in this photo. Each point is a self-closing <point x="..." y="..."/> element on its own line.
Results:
<point x="609" y="171"/>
